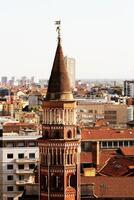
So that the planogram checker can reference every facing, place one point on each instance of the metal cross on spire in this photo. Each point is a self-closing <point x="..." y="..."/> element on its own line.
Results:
<point x="58" y="23"/>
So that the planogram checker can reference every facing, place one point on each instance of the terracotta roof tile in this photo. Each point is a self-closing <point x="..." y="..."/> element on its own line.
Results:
<point x="111" y="186"/>
<point x="105" y="155"/>
<point x="127" y="151"/>
<point x="117" y="166"/>
<point x="107" y="134"/>
<point x="86" y="157"/>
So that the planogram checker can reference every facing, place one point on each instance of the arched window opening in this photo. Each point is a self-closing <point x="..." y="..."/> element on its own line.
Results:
<point x="68" y="180"/>
<point x="57" y="134"/>
<point x="68" y="159"/>
<point x="54" y="157"/>
<point x="53" y="182"/>
<point x="73" y="180"/>
<point x="46" y="134"/>
<point x="56" y="184"/>
<point x="69" y="134"/>
<point x="59" y="158"/>
<point x="44" y="183"/>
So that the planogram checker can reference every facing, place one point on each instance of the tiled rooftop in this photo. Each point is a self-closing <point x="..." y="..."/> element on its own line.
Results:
<point x="107" y="134"/>
<point x="111" y="186"/>
<point x="117" y="166"/>
<point x="86" y="157"/>
<point x="127" y="151"/>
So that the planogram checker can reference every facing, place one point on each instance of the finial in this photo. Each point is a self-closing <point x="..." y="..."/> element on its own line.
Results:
<point x="58" y="23"/>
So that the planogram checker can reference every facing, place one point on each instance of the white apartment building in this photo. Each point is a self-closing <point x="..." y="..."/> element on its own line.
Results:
<point x="19" y="154"/>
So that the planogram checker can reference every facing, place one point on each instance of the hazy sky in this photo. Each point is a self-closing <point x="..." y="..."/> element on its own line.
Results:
<point x="99" y="34"/>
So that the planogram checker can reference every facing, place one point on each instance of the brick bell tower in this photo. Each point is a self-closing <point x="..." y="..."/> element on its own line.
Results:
<point x="60" y="143"/>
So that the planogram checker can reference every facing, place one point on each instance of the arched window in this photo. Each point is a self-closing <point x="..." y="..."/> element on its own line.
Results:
<point x="44" y="183"/>
<point x="57" y="134"/>
<point x="45" y="134"/>
<point x="69" y="134"/>
<point x="53" y="182"/>
<point x="68" y="159"/>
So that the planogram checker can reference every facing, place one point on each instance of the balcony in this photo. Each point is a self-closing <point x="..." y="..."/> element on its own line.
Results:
<point x="26" y="160"/>
<point x="24" y="182"/>
<point x="24" y="171"/>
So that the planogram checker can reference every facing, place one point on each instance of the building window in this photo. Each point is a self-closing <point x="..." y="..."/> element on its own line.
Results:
<point x="115" y="144"/>
<point x="57" y="181"/>
<point x="20" y="166"/>
<point x="131" y="143"/>
<point x="120" y="143"/>
<point x="90" y="111"/>
<point x="69" y="134"/>
<point x="44" y="183"/>
<point x="21" y="144"/>
<point x="126" y="143"/>
<point x="104" y="144"/>
<point x="10" y="155"/>
<point x="21" y="155"/>
<point x="10" y="166"/>
<point x="10" y="188"/>
<point x="31" y="166"/>
<point x="57" y="134"/>
<point x="9" y="144"/>
<point x="109" y="144"/>
<point x="9" y="198"/>
<point x="32" y="144"/>
<point x="68" y="159"/>
<point x="32" y="155"/>
<point x="21" y="177"/>
<point x="21" y="188"/>
<point x="46" y="134"/>
<point x="10" y="177"/>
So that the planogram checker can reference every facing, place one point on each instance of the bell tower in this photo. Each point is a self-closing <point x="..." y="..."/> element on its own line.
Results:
<point x="60" y="143"/>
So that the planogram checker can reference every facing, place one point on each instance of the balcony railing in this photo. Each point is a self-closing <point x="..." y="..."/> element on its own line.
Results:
<point x="24" y="171"/>
<point x="24" y="182"/>
<point x="26" y="160"/>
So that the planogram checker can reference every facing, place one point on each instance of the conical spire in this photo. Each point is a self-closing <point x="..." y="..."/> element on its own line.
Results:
<point x="59" y="84"/>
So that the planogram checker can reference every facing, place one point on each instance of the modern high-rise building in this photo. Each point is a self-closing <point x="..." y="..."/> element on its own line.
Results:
<point x="4" y="80"/>
<point x="70" y="64"/>
<point x="129" y="88"/>
<point x="59" y="146"/>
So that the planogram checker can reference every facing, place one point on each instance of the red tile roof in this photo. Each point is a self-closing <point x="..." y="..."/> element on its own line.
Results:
<point x="127" y="151"/>
<point x="117" y="166"/>
<point x="111" y="186"/>
<point x="105" y="155"/>
<point x="86" y="157"/>
<point x="107" y="134"/>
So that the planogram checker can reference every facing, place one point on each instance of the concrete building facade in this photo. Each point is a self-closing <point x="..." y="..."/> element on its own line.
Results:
<point x="18" y="156"/>
<point x="114" y="114"/>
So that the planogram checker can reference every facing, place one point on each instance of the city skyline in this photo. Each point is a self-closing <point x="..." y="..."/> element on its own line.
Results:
<point x="99" y="35"/>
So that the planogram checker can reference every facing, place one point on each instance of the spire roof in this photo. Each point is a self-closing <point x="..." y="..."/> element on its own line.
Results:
<point x="59" y="87"/>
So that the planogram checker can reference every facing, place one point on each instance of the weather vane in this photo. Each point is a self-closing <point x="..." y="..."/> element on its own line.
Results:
<point x="58" y="23"/>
